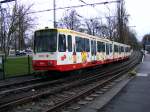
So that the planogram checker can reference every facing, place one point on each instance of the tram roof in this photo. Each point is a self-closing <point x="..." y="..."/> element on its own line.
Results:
<point x="80" y="34"/>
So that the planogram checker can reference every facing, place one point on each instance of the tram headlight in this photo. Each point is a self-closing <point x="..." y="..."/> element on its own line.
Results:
<point x="49" y="63"/>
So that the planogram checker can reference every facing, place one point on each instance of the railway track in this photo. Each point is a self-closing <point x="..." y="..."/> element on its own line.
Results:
<point x="18" y="82"/>
<point x="34" y="84"/>
<point x="56" y="89"/>
<point x="37" y="83"/>
<point x="90" y="90"/>
<point x="82" y="91"/>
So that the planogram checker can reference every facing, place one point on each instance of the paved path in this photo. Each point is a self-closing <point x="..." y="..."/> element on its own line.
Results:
<point x="135" y="97"/>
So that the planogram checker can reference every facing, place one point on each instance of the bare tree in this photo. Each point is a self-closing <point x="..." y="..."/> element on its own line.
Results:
<point x="112" y="26"/>
<point x="70" y="21"/>
<point x="92" y="26"/>
<point x="122" y="19"/>
<point x="2" y="29"/>
<point x="13" y="27"/>
<point x="132" y="40"/>
<point x="104" y="31"/>
<point x="97" y="28"/>
<point x="24" y="24"/>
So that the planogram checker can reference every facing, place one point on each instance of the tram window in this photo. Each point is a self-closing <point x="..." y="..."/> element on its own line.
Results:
<point x="62" y="43"/>
<point x="45" y="41"/>
<point x="107" y="49"/>
<point x="69" y="43"/>
<point x="79" y="44"/>
<point x="119" y="49"/>
<point x="83" y="44"/>
<point x="122" y="50"/>
<point x="110" y="47"/>
<point x="115" y="48"/>
<point x="87" y="45"/>
<point x="126" y="49"/>
<point x="93" y="47"/>
<point x="99" y="46"/>
<point x="103" y="46"/>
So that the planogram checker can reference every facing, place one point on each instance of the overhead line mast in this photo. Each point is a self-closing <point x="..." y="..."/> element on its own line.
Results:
<point x="54" y="3"/>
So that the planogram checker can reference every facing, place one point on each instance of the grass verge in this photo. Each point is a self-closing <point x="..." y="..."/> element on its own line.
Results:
<point x="17" y="66"/>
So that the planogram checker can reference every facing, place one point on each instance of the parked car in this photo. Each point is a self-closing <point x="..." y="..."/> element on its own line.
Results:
<point x="28" y="52"/>
<point x="23" y="53"/>
<point x="20" y="53"/>
<point x="17" y="53"/>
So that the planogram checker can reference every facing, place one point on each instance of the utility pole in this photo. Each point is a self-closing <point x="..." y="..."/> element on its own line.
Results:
<point x="54" y="5"/>
<point x="120" y="22"/>
<point x="109" y="23"/>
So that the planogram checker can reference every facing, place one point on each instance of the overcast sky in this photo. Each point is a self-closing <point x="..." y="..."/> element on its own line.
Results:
<point x="140" y="16"/>
<point x="137" y="9"/>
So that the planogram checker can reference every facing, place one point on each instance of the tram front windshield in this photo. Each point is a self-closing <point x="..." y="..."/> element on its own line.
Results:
<point x="45" y="40"/>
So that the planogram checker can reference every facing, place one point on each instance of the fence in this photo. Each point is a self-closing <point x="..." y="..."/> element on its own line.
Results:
<point x="2" y="73"/>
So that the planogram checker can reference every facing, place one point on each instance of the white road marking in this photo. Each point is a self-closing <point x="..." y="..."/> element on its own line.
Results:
<point x="142" y="74"/>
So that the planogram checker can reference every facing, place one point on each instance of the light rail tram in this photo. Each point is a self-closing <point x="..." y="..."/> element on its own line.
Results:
<point x="66" y="50"/>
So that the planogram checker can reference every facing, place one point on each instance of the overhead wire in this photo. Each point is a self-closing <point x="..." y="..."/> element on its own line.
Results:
<point x="95" y="10"/>
<point x="76" y="6"/>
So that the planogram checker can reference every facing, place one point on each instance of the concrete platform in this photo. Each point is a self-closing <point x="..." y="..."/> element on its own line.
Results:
<point x="135" y="96"/>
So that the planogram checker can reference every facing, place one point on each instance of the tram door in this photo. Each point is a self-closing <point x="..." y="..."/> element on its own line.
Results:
<point x="93" y="50"/>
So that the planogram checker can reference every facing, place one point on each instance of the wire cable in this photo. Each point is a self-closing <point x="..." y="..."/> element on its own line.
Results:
<point x="77" y="6"/>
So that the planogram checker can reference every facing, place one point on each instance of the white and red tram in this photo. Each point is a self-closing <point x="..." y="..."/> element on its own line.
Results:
<point x="65" y="50"/>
